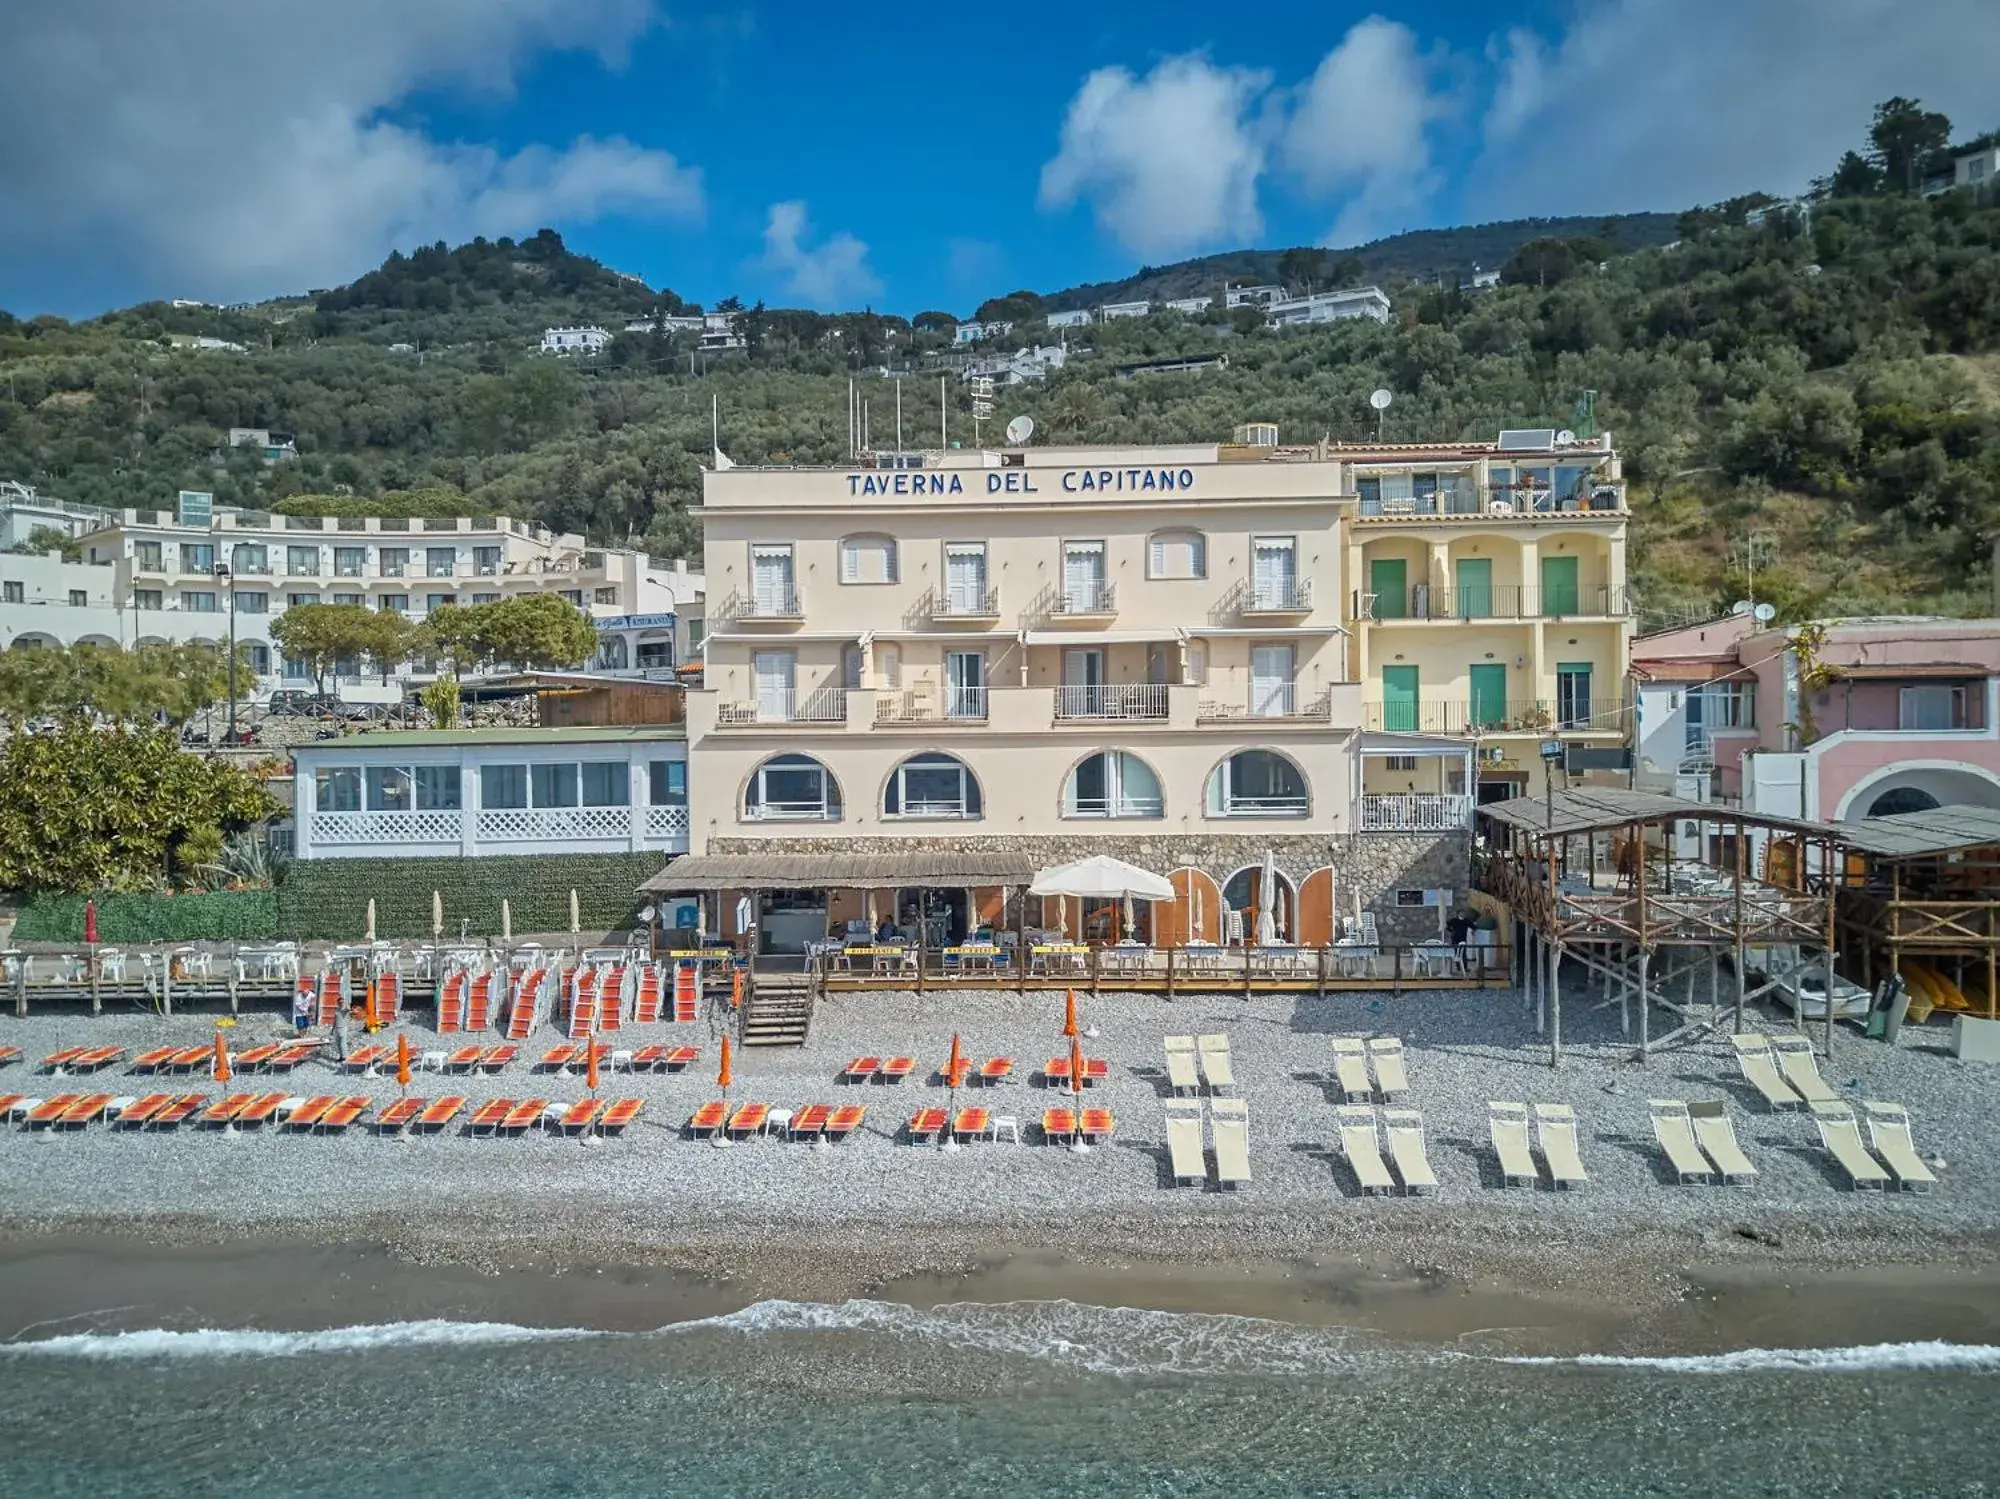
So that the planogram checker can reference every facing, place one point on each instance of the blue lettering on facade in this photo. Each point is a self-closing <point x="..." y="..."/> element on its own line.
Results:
<point x="1020" y="481"/>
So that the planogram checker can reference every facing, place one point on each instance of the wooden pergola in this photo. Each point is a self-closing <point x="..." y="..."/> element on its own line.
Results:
<point x="1615" y="880"/>
<point x="1925" y="887"/>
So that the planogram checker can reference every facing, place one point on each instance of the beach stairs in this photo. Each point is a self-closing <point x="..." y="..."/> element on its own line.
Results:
<point x="523" y="1014"/>
<point x="479" y="1002"/>
<point x="687" y="992"/>
<point x="451" y="1005"/>
<point x="611" y="987"/>
<point x="388" y="998"/>
<point x="582" y="1003"/>
<point x="778" y="1010"/>
<point x="646" y="1003"/>
<point x="331" y="992"/>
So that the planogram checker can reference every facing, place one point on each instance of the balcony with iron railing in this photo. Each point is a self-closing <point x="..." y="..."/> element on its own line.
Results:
<point x="1487" y="716"/>
<point x="1600" y="499"/>
<point x="1271" y="597"/>
<point x="1144" y="701"/>
<point x="1271" y="701"/>
<point x="783" y="705"/>
<point x="780" y="605"/>
<point x="928" y="704"/>
<point x="964" y="602"/>
<point x="1413" y="812"/>
<point x="1423" y="602"/>
<point x="1085" y="601"/>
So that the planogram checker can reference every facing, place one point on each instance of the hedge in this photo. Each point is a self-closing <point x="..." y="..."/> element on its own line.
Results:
<point x="221" y="916"/>
<point x="327" y="899"/>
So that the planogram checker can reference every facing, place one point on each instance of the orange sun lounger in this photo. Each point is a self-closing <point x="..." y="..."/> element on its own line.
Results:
<point x="9" y="1102"/>
<point x="290" y="1055"/>
<point x="809" y="1120"/>
<point x="9" y="1054"/>
<point x="524" y="1115"/>
<point x="437" y="1115"/>
<point x="363" y="1057"/>
<point x="1059" y="1124"/>
<point x="1097" y="1124"/>
<point x="971" y="1123"/>
<point x="955" y="1078"/>
<point x="897" y="1068"/>
<point x="494" y="1058"/>
<point x="560" y="1056"/>
<point x="398" y="1114"/>
<point x="261" y="1110"/>
<point x="45" y="1113"/>
<point x="1095" y="1070"/>
<point x="86" y="1109"/>
<point x="486" y="1118"/>
<point x="845" y="1121"/>
<point x="928" y="1124"/>
<point x="749" y="1118"/>
<point x="653" y="1058"/>
<point x="190" y="1057"/>
<point x="464" y="1059"/>
<point x="64" y="1057"/>
<point x="707" y="1119"/>
<point x="308" y="1114"/>
<point x="224" y="1110"/>
<point x="621" y="1113"/>
<point x="153" y="1060"/>
<point x="681" y="1057"/>
<point x="177" y="1111"/>
<point x="256" y="1056"/>
<point x="994" y="1069"/>
<point x="580" y="1115"/>
<point x="138" y="1112"/>
<point x="346" y="1112"/>
<point x="93" y="1058"/>
<point x="861" y="1069"/>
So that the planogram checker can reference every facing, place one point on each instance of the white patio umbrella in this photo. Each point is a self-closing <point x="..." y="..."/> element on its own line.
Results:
<point x="1101" y="877"/>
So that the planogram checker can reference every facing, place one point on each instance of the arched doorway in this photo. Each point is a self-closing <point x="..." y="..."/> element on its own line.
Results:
<point x="1195" y="912"/>
<point x="1243" y="891"/>
<point x="1319" y="897"/>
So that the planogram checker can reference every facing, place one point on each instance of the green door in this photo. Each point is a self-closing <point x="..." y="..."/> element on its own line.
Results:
<point x="1388" y="580"/>
<point x="1489" y="695"/>
<point x="1474" y="576"/>
<point x="1399" y="698"/>
<point x="1559" y="586"/>
<point x="1573" y="706"/>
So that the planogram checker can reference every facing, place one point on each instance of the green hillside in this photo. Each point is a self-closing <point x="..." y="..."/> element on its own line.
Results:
<point x="1823" y="394"/>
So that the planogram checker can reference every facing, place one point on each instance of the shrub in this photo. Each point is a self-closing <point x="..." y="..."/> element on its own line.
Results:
<point x="220" y="916"/>
<point x="328" y="898"/>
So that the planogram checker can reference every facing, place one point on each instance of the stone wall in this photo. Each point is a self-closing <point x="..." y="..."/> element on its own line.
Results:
<point x="1375" y="864"/>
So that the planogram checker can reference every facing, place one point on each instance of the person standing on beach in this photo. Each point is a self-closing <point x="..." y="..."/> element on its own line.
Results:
<point x="302" y="1008"/>
<point x="340" y="1033"/>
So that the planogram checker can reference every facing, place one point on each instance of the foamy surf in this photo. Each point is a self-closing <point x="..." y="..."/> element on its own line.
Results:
<point x="213" y="1343"/>
<point x="1865" y="1359"/>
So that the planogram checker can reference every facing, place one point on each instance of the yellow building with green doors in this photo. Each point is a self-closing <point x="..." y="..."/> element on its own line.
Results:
<point x="1489" y="606"/>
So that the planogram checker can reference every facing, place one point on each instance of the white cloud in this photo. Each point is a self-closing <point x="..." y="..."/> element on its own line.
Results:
<point x="1667" y="103"/>
<point x="1168" y="162"/>
<point x="836" y="272"/>
<point x="1359" y="127"/>
<point x="236" y="148"/>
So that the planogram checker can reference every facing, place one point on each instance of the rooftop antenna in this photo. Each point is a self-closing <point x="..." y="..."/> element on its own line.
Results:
<point x="1380" y="401"/>
<point x="899" y="418"/>
<point x="944" y="432"/>
<point x="982" y="404"/>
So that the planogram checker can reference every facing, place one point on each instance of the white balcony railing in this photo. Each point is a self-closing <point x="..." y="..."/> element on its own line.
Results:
<point x="1126" y="700"/>
<point x="1415" y="812"/>
<point x="663" y="827"/>
<point x="787" y="705"/>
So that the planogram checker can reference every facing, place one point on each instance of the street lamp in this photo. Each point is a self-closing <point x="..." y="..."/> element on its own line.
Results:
<point x="224" y="577"/>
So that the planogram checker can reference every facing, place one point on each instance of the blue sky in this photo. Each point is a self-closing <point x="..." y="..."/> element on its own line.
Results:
<point x="894" y="155"/>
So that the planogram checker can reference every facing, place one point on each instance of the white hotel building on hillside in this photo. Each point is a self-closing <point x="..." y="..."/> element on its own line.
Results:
<point x="151" y="576"/>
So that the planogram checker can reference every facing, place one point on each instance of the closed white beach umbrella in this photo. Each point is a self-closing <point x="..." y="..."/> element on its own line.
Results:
<point x="371" y="919"/>
<point x="506" y="920"/>
<point x="1267" y="901"/>
<point x="437" y="913"/>
<point x="575" y="916"/>
<point x="1130" y="919"/>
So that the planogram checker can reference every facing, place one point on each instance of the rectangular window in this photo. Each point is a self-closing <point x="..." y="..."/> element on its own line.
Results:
<point x="771" y="590"/>
<point x="198" y="602"/>
<point x="1399" y="762"/>
<point x="573" y="596"/>
<point x="295" y="670"/>
<point x="388" y="788"/>
<point x="294" y="600"/>
<point x="253" y="603"/>
<point x="604" y="595"/>
<point x="553" y="785"/>
<point x="78" y="598"/>
<point x="1931" y="708"/>
<point x="395" y="603"/>
<point x="1274" y="573"/>
<point x="607" y="784"/>
<point x="436" y="601"/>
<point x="503" y="786"/>
<point x="148" y="556"/>
<point x="697" y="631"/>
<point x="666" y="782"/>
<point x="390" y="561"/>
<point x="337" y="788"/>
<point x="14" y="593"/>
<point x="440" y="562"/>
<point x="351" y="600"/>
<point x="1084" y="589"/>
<point x="486" y="561"/>
<point x="437" y="788"/>
<point x="197" y="559"/>
<point x="303" y="562"/>
<point x="254" y="560"/>
<point x="486" y="598"/>
<point x="1177" y="554"/>
<point x="348" y="562"/>
<point x="148" y="598"/>
<point x="868" y="559"/>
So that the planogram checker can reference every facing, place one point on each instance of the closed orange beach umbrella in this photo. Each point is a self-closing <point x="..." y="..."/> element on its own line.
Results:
<point x="723" y="1079"/>
<point x="403" y="1059"/>
<point x="1069" y="1015"/>
<point x="221" y="1058"/>
<point x="954" y="1065"/>
<point x="1075" y="1067"/>
<point x="590" y="1063"/>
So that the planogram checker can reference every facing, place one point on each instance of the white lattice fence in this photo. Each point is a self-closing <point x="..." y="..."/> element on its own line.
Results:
<point x="554" y="824"/>
<point x="352" y="829"/>
<point x="668" y="825"/>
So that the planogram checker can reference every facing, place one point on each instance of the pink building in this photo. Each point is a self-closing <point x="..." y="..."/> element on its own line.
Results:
<point x="1906" y="720"/>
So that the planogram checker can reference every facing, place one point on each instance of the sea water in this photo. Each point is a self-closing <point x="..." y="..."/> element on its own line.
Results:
<point x="1045" y="1398"/>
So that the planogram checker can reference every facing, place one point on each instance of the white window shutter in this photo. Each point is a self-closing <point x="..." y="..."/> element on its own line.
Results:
<point x="1157" y="562"/>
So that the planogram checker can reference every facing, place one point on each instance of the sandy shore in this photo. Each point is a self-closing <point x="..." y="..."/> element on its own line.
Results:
<point x="654" y="1228"/>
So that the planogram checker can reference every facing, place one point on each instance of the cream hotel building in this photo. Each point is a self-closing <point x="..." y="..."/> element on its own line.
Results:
<point x="1189" y="656"/>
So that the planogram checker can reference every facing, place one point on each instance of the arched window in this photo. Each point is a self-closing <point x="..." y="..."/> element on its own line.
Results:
<point x="1177" y="554"/>
<point x="1902" y="799"/>
<point x="931" y="785"/>
<point x="1257" y="783"/>
<point x="793" y="788"/>
<point x="611" y="653"/>
<point x="868" y="559"/>
<point x="1112" y="783"/>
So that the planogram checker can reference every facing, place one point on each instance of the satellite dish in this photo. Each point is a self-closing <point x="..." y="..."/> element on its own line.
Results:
<point x="1741" y="606"/>
<point x="1764" y="613"/>
<point x="1565" y="438"/>
<point x="1020" y="430"/>
<point x="1381" y="399"/>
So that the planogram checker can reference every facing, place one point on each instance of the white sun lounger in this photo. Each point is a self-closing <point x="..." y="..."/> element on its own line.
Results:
<point x="1716" y="1135"/>
<point x="1350" y="1069"/>
<point x="1360" y="1143"/>
<point x="1841" y="1135"/>
<point x="1405" y="1128"/>
<point x="1215" y="1066"/>
<point x="1753" y="1055"/>
<point x="1795" y="1058"/>
<point x="1555" y="1129"/>
<point x="1229" y="1121"/>
<point x="1508" y="1124"/>
<point x="1184" y="1148"/>
<point x="1392" y="1079"/>
<point x="1181" y="1074"/>
<point x="1676" y="1136"/>
<point x="1889" y="1131"/>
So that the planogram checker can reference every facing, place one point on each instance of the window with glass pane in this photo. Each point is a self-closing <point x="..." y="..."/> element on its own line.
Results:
<point x="147" y="554"/>
<point x="198" y="603"/>
<point x="303" y="562"/>
<point x="337" y="788"/>
<point x="1256" y="783"/>
<point x="197" y="558"/>
<point x="390" y="561"/>
<point x="607" y="784"/>
<point x="1113" y="784"/>
<point x="437" y="788"/>
<point x="666" y="782"/>
<point x="388" y="788"/>
<point x="553" y="785"/>
<point x="792" y="786"/>
<point x="348" y="562"/>
<point x="253" y="603"/>
<point x="350" y="600"/>
<point x="503" y="786"/>
<point x="931" y="786"/>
